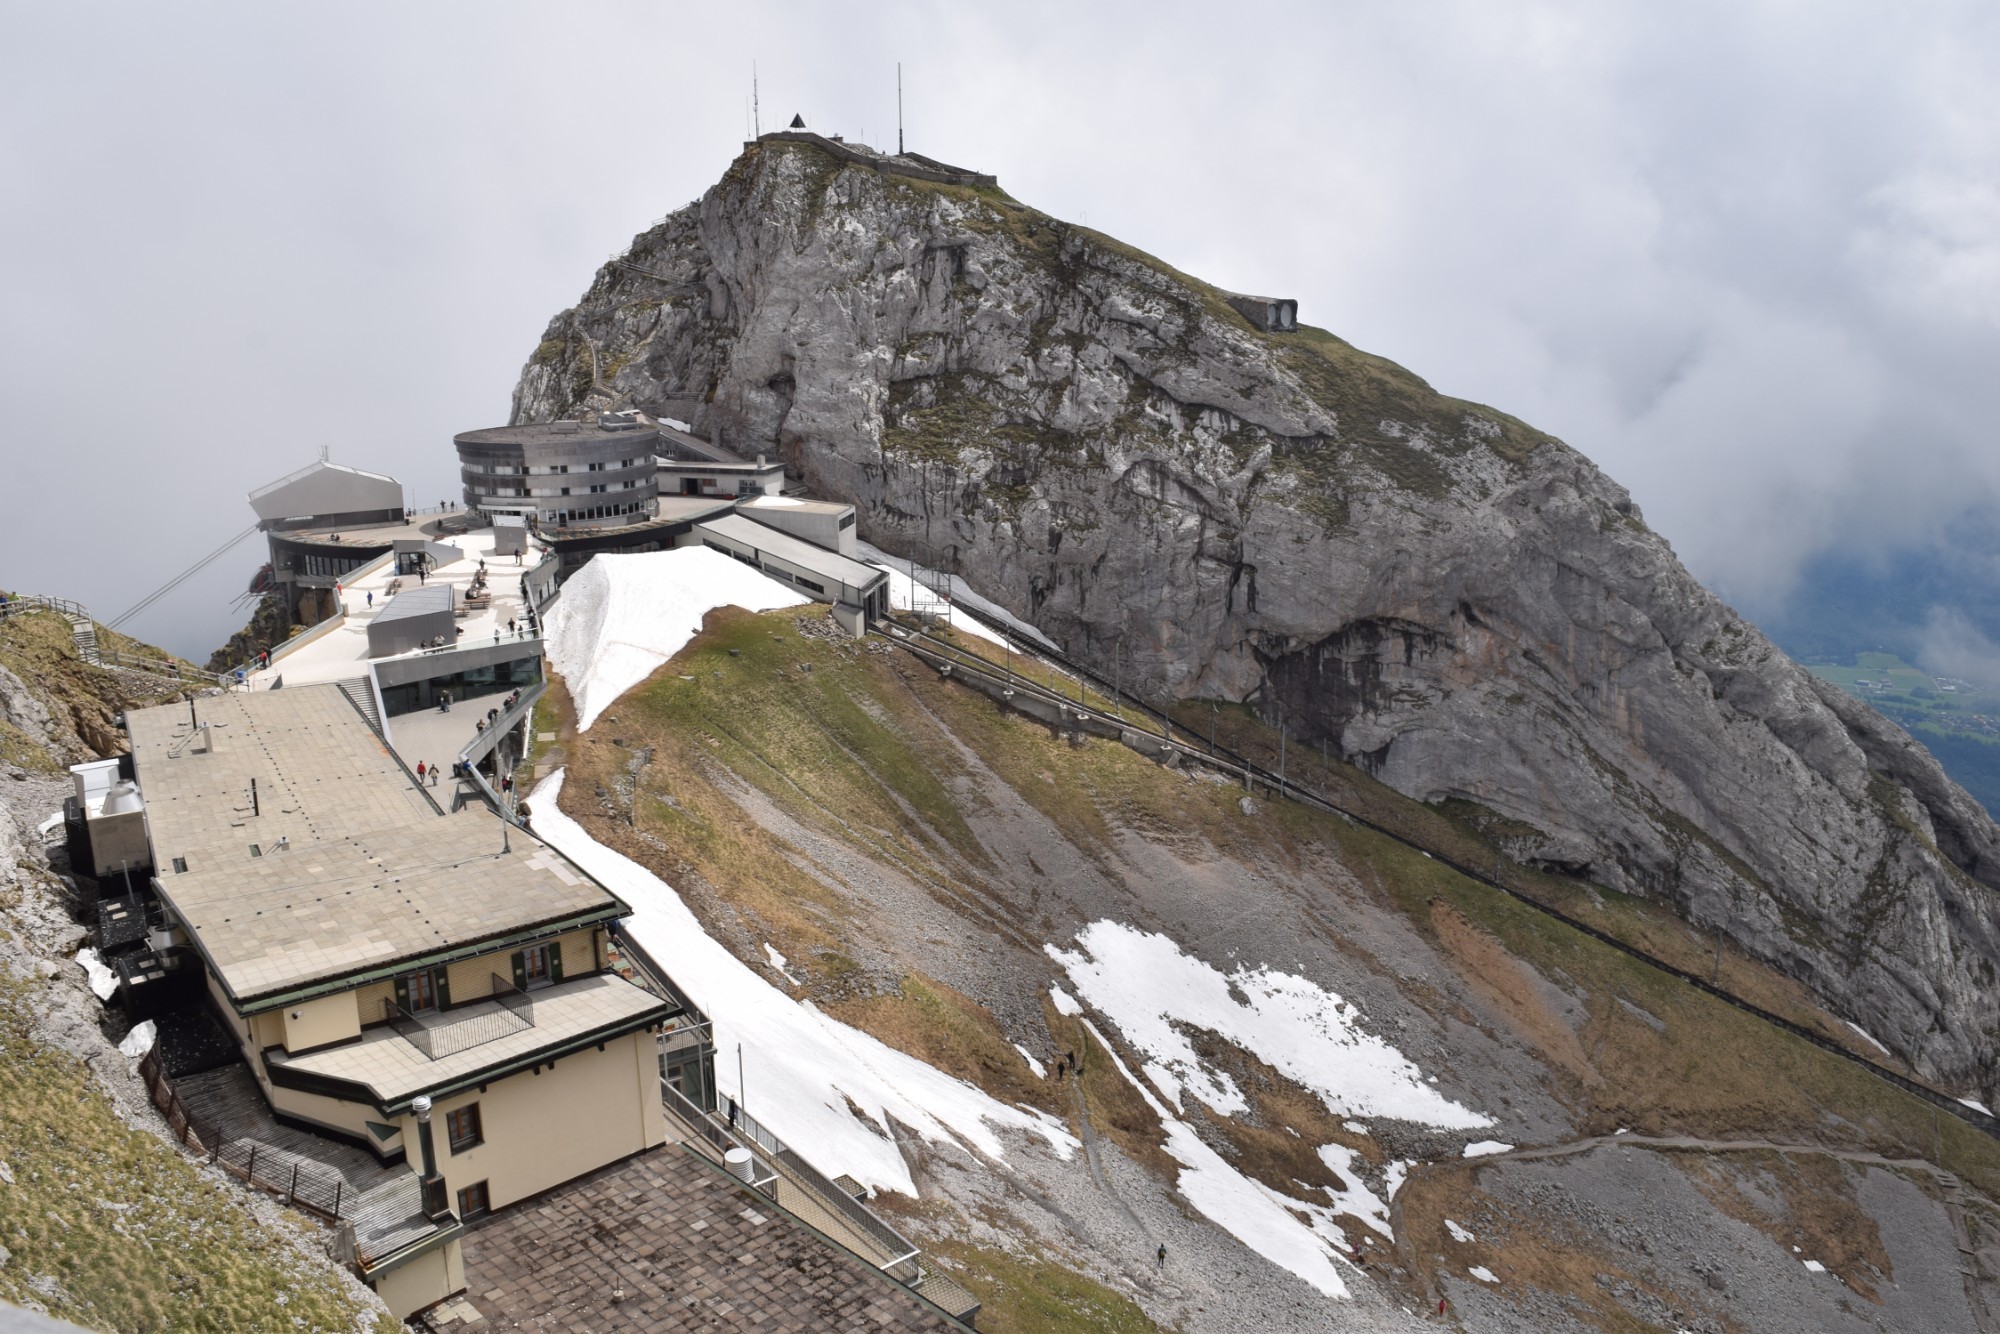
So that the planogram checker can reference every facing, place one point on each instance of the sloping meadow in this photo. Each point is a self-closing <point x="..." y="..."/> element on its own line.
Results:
<point x="1335" y="1015"/>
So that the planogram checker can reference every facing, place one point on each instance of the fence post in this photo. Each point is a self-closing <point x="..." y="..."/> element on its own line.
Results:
<point x="250" y="1172"/>
<point x="337" y="1187"/>
<point x="292" y="1193"/>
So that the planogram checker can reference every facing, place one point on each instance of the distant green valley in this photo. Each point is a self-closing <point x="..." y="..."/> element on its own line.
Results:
<point x="1957" y="719"/>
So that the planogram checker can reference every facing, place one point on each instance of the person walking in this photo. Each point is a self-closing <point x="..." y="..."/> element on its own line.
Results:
<point x="371" y="597"/>
<point x="420" y="772"/>
<point x="434" y="775"/>
<point x="1160" y="1257"/>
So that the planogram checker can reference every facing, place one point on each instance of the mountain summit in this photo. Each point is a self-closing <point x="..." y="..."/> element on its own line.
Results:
<point x="1212" y="509"/>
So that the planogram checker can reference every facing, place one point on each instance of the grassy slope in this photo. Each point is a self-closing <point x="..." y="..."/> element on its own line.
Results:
<point x="40" y="650"/>
<point x="860" y="749"/>
<point x="132" y="1234"/>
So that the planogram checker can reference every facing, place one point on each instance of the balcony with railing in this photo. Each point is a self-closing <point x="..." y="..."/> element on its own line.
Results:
<point x="449" y="1032"/>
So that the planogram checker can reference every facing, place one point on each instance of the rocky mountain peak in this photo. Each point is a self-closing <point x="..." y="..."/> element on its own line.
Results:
<point x="1462" y="605"/>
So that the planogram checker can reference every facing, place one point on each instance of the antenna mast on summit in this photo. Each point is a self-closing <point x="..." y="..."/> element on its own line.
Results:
<point x="756" y="112"/>
<point x="899" y="108"/>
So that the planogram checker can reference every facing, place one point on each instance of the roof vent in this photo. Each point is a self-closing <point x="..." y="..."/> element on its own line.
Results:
<point x="122" y="799"/>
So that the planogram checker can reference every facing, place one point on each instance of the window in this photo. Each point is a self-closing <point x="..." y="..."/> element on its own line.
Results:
<point x="559" y="467"/>
<point x="630" y="485"/>
<point x="563" y="492"/>
<point x="462" y="1128"/>
<point x="597" y="467"/>
<point x="472" y="1202"/>
<point x="596" y="487"/>
<point x="423" y="992"/>
<point x="538" y="966"/>
<point x="626" y="463"/>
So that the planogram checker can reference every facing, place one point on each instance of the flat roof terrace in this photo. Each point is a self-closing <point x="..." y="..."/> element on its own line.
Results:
<point x="338" y="866"/>
<point x="341" y="652"/>
<point x="393" y="1067"/>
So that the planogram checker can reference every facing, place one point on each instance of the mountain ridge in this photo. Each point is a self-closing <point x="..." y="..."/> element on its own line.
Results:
<point x="1466" y="607"/>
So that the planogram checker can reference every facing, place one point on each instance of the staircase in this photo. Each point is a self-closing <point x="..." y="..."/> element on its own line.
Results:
<point x="84" y="631"/>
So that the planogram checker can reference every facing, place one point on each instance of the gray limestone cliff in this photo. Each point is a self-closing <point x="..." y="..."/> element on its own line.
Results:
<point x="1459" y="603"/>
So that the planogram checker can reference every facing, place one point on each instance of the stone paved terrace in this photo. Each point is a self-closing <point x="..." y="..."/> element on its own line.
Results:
<point x="686" y="1247"/>
<point x="342" y="652"/>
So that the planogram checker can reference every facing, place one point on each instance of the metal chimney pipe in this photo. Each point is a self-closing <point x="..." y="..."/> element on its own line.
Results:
<point x="435" y="1208"/>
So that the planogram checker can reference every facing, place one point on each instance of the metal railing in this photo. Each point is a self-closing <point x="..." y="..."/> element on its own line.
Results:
<point x="902" y="1256"/>
<point x="657" y="979"/>
<point x="311" y="1185"/>
<point x="19" y="603"/>
<point x="512" y="1012"/>
<point x="762" y="1175"/>
<point x="76" y="612"/>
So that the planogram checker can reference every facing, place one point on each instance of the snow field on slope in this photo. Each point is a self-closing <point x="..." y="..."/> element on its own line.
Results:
<point x="621" y="617"/>
<point x="1242" y="1206"/>
<point x="1153" y="992"/>
<point x="801" y="1067"/>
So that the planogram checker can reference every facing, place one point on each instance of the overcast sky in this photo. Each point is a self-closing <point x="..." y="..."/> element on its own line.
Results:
<point x="1746" y="256"/>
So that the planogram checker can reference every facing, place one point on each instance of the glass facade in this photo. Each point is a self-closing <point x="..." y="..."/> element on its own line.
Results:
<point x="415" y="695"/>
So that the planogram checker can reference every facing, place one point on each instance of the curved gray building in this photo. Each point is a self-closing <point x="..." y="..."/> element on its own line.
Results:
<point x="563" y="474"/>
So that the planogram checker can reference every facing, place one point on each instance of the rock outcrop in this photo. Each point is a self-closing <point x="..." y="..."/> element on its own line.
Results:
<point x="1463" y="605"/>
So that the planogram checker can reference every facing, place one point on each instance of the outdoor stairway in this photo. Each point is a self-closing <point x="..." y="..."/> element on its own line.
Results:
<point x="84" y="631"/>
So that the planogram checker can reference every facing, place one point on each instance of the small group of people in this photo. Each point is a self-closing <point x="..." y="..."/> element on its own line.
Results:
<point x="1065" y="1064"/>
<point x="426" y="770"/>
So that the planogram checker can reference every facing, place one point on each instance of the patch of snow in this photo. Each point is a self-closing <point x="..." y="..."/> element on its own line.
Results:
<point x="1394" y="1175"/>
<point x="1977" y="1105"/>
<point x="1483" y="1148"/>
<point x="621" y="617"/>
<point x="901" y="588"/>
<point x="802" y="1066"/>
<point x="1156" y="993"/>
<point x="102" y="980"/>
<point x="1814" y="1266"/>
<point x="1355" y="1127"/>
<point x="1867" y="1037"/>
<point x="778" y="962"/>
<point x="1458" y="1233"/>
<point x="1482" y="1273"/>
<point x="140" y="1040"/>
<point x="46" y="827"/>
<point x="776" y="502"/>
<point x="1033" y="1064"/>
<point x="1064" y="1002"/>
<point x="1357" y="1201"/>
<point x="1246" y="1209"/>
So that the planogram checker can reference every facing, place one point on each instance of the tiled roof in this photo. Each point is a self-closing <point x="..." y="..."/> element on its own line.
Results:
<point x="354" y="868"/>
